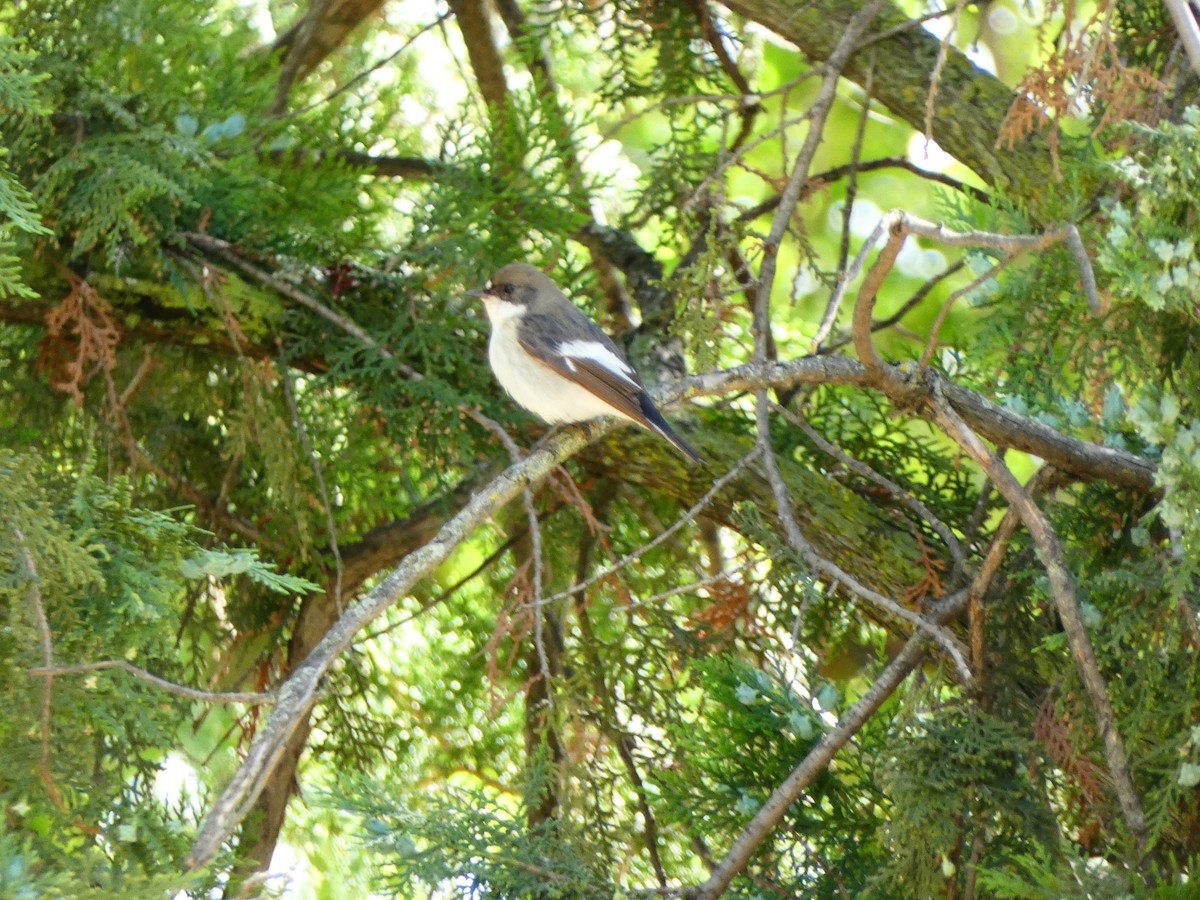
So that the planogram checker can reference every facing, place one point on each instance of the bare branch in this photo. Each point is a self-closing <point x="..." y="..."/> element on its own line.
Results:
<point x="43" y="629"/>
<point x="535" y="551"/>
<point x="897" y="225"/>
<point x="791" y="192"/>
<point x="1189" y="32"/>
<point x="831" y="571"/>
<point x="49" y="672"/>
<point x="998" y="425"/>
<point x="664" y="535"/>
<point x="223" y="250"/>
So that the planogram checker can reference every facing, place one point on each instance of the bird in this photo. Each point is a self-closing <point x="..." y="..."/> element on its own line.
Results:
<point x="556" y="362"/>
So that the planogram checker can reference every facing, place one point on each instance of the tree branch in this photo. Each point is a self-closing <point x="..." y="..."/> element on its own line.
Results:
<point x="971" y="103"/>
<point x="1062" y="588"/>
<point x="49" y="672"/>
<point x="298" y="693"/>
<point x="772" y="811"/>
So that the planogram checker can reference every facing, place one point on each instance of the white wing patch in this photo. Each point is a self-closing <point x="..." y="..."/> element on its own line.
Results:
<point x="597" y="353"/>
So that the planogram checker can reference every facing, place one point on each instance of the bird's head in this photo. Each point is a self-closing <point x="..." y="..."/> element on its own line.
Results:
<point x="517" y="288"/>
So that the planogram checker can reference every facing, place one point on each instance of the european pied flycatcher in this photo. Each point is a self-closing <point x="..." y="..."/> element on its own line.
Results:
<point x="556" y="362"/>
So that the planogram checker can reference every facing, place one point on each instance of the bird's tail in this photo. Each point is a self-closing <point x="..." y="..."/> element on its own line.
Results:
<point x="653" y="420"/>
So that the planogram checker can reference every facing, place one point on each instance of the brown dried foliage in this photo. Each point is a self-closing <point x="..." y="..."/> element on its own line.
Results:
<point x="1086" y="67"/>
<point x="731" y="601"/>
<point x="931" y="582"/>
<point x="81" y="339"/>
<point x="1059" y="732"/>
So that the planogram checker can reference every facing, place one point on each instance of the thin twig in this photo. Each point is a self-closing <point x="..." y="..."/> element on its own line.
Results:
<point x="800" y="545"/>
<point x="936" y="77"/>
<point x="982" y="582"/>
<point x="692" y="586"/>
<point x="225" y="251"/>
<point x="831" y="310"/>
<point x="818" y="114"/>
<point x="848" y="277"/>
<point x="43" y="628"/>
<point x="870" y="165"/>
<point x="905" y="308"/>
<point x="596" y="670"/>
<point x="342" y="88"/>
<point x="330" y="526"/>
<point x="252" y="697"/>
<point x="535" y="540"/>
<point x="940" y="319"/>
<point x="1086" y="276"/>
<point x="664" y="535"/>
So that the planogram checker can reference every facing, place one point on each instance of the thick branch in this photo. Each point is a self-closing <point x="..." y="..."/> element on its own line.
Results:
<point x="971" y="104"/>
<point x="299" y="692"/>
<point x="311" y="39"/>
<point x="1005" y="428"/>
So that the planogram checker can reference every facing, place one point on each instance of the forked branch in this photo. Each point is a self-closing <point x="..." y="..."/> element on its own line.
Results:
<point x="1062" y="589"/>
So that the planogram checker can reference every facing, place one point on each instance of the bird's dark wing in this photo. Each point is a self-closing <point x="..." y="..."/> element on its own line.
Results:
<point x="592" y="362"/>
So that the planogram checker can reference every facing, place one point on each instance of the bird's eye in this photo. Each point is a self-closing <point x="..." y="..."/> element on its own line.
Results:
<point x="510" y="289"/>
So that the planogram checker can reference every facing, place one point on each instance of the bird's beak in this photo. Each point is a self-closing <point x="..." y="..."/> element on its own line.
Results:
<point x="480" y="292"/>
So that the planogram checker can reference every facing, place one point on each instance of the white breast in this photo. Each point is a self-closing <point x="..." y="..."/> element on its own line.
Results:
<point x="533" y="385"/>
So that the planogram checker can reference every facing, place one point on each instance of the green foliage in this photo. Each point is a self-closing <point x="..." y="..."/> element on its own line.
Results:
<point x="753" y="727"/>
<point x="92" y="577"/>
<point x="471" y="840"/>
<point x="957" y="775"/>
<point x="18" y="212"/>
<point x="1149" y="248"/>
